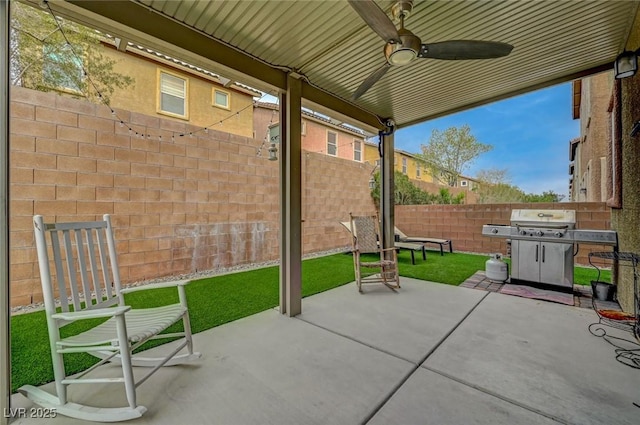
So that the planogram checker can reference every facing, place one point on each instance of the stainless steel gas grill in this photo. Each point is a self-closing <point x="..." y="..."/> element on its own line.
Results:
<point x="542" y="244"/>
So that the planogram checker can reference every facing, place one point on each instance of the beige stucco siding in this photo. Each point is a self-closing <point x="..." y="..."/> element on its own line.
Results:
<point x="142" y="97"/>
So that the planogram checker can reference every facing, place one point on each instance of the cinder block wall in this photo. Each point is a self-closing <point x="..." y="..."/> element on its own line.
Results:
<point x="179" y="204"/>
<point x="332" y="188"/>
<point x="463" y="223"/>
<point x="186" y="204"/>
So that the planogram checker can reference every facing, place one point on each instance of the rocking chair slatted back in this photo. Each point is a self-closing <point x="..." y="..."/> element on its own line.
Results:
<point x="365" y="230"/>
<point x="85" y="265"/>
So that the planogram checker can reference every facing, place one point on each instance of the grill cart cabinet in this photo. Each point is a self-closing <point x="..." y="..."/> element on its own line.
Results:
<point x="542" y="244"/>
<point x="542" y="262"/>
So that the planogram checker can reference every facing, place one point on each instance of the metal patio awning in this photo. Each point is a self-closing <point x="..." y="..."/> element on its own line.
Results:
<point x="329" y="50"/>
<point x="331" y="47"/>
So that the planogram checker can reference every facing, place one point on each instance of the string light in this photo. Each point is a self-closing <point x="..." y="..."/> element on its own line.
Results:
<point x="45" y="5"/>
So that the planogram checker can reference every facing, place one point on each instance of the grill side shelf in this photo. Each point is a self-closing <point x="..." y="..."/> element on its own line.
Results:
<point x="620" y="256"/>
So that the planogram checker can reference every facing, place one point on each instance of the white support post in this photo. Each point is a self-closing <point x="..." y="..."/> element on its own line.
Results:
<point x="5" y="334"/>
<point x="291" y="198"/>
<point x="387" y="198"/>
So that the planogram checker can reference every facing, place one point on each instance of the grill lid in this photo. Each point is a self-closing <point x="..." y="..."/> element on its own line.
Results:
<point x="544" y="218"/>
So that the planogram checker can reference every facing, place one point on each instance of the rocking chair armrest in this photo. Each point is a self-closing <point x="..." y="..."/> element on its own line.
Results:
<point x="159" y="285"/>
<point x="91" y="314"/>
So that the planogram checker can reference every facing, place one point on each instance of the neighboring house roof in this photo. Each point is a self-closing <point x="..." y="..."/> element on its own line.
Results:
<point x="315" y="116"/>
<point x="145" y="51"/>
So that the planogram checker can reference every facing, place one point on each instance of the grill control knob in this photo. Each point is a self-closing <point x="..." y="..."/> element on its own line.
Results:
<point x="539" y="233"/>
<point x="558" y="234"/>
<point x="494" y="231"/>
<point x="523" y="232"/>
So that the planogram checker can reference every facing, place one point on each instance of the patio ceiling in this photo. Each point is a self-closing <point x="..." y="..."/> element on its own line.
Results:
<point x="328" y="43"/>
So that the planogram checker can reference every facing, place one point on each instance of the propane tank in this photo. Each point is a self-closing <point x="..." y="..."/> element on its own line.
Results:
<point x="496" y="269"/>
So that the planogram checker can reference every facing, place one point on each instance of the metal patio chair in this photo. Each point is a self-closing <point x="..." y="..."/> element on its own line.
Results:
<point x="365" y="231"/>
<point x="83" y="277"/>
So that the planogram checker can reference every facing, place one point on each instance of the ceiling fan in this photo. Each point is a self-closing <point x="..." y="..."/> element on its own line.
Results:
<point x="402" y="46"/>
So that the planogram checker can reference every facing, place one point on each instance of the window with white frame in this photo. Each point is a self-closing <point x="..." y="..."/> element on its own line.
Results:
<point x="417" y="170"/>
<point x="404" y="165"/>
<point x="173" y="94"/>
<point x="357" y="150"/>
<point x="332" y="143"/>
<point x="463" y="183"/>
<point x="221" y="99"/>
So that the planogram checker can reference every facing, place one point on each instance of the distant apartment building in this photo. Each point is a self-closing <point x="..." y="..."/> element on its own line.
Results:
<point x="320" y="134"/>
<point x="415" y="168"/>
<point x="592" y="154"/>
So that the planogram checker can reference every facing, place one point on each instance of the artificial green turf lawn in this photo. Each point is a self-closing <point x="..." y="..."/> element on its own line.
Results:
<point x="221" y="299"/>
<point x="212" y="302"/>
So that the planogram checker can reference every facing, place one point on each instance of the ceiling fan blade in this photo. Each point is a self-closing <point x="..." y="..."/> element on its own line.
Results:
<point x="465" y="49"/>
<point x="375" y="17"/>
<point x="370" y="81"/>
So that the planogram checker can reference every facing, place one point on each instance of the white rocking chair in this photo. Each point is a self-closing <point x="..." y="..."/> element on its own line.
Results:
<point x="86" y="280"/>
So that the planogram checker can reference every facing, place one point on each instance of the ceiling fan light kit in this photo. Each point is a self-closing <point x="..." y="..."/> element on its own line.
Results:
<point x="399" y="54"/>
<point x="402" y="46"/>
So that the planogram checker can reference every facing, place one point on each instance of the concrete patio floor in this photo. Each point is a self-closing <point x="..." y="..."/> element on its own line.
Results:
<point x="429" y="354"/>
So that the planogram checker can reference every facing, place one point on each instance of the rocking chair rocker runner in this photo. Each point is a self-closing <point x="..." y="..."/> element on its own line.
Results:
<point x="85" y="278"/>
<point x="365" y="231"/>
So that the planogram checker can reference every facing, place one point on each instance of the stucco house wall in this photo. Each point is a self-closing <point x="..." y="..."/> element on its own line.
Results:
<point x="627" y="219"/>
<point x="593" y="163"/>
<point x="142" y="96"/>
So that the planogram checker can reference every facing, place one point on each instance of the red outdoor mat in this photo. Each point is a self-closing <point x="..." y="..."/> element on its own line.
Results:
<point x="537" y="293"/>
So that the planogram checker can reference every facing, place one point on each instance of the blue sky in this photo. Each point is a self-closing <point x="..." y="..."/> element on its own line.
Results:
<point x="529" y="133"/>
